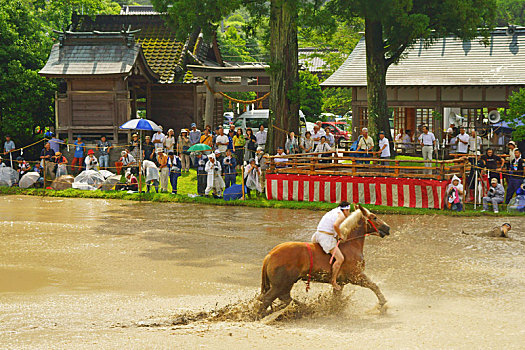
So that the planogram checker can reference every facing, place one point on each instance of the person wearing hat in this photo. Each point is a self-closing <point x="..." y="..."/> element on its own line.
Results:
<point x="61" y="164"/>
<point x="229" y="164"/>
<point x="202" y="175"/>
<point x="511" y="146"/>
<point x="214" y="182"/>
<point x="132" y="183"/>
<point x="252" y="174"/>
<point x="170" y="141"/>
<point x="148" y="149"/>
<point x="492" y="163"/>
<point x="103" y="148"/>
<point x="158" y="139"/>
<point x="183" y="144"/>
<point x="174" y="165"/>
<point x="152" y="175"/>
<point x="195" y="137"/>
<point x="384" y="148"/>
<point x="515" y="176"/>
<point x="327" y="234"/>
<point x="78" y="156"/>
<point x="162" y="161"/>
<point x="134" y="147"/>
<point x="495" y="195"/>
<point x="23" y="166"/>
<point x="262" y="163"/>
<point x="91" y="161"/>
<point x="128" y="161"/>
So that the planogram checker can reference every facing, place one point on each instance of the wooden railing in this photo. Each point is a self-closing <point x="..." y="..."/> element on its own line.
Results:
<point x="352" y="163"/>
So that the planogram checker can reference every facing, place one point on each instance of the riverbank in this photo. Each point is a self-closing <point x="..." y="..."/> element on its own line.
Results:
<point x="254" y="203"/>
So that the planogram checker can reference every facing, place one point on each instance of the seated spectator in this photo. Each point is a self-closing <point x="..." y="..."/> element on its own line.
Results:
<point x="38" y="169"/>
<point x="514" y="179"/>
<point x="131" y="182"/>
<point x="215" y="182"/>
<point x="128" y="161"/>
<point x="229" y="165"/>
<point x="323" y="146"/>
<point x="91" y="161"/>
<point x="280" y="162"/>
<point x="61" y="164"/>
<point x="291" y="146"/>
<point x="518" y="203"/>
<point x="152" y="175"/>
<point x="495" y="195"/>
<point x="252" y="174"/>
<point x="454" y="193"/>
<point x="175" y="165"/>
<point x="23" y="166"/>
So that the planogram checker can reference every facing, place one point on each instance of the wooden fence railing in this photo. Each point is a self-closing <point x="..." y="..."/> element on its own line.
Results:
<point x="361" y="164"/>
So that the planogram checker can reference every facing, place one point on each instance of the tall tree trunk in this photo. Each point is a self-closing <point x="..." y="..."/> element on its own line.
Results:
<point x="284" y="72"/>
<point x="376" y="66"/>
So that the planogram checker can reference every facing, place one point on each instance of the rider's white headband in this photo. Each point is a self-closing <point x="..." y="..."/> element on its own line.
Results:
<point x="345" y="208"/>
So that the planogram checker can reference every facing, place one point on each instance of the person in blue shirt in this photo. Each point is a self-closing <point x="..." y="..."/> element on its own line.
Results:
<point x="174" y="166"/>
<point x="78" y="157"/>
<point x="228" y="167"/>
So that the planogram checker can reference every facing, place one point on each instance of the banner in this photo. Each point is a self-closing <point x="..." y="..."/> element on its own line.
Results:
<point x="392" y="192"/>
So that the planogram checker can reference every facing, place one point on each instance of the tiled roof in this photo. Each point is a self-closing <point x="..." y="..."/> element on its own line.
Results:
<point x="138" y="10"/>
<point x="79" y="56"/>
<point x="163" y="53"/>
<point x="447" y="62"/>
<point x="308" y="57"/>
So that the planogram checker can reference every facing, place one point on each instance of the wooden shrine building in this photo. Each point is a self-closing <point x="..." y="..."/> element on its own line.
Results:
<point x="464" y="77"/>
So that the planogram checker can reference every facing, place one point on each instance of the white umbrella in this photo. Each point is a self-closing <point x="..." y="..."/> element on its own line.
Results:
<point x="29" y="179"/>
<point x="140" y="124"/>
<point x="89" y="177"/>
<point x="8" y="176"/>
<point x="110" y="183"/>
<point x="63" y="182"/>
<point x="106" y="173"/>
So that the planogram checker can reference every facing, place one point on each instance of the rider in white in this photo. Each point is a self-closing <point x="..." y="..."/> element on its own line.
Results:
<point x="328" y="234"/>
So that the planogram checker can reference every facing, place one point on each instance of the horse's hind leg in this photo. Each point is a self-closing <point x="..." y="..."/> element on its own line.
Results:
<point x="363" y="281"/>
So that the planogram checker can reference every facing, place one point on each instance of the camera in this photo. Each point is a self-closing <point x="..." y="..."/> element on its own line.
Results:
<point x="201" y="162"/>
<point x="227" y="161"/>
<point x="492" y="190"/>
<point x="522" y="187"/>
<point x="216" y="168"/>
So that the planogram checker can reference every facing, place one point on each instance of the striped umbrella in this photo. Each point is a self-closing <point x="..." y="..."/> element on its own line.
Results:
<point x="140" y="124"/>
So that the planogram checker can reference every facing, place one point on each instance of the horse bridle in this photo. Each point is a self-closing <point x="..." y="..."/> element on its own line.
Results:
<point x="366" y="234"/>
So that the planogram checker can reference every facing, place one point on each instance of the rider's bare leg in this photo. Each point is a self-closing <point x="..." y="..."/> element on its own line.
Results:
<point x="339" y="258"/>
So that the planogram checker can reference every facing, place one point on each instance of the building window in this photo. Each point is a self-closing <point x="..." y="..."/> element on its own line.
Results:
<point x="424" y="117"/>
<point x="363" y="118"/>
<point x="400" y="120"/>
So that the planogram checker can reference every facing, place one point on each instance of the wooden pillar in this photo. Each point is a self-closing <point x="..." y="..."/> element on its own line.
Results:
<point x="210" y="103"/>
<point x="148" y="102"/>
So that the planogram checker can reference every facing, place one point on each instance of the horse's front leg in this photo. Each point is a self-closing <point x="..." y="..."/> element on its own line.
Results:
<point x="363" y="281"/>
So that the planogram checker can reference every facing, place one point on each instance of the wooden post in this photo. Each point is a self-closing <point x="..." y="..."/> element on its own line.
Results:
<point x="312" y="165"/>
<point x="396" y="171"/>
<point x="210" y="103"/>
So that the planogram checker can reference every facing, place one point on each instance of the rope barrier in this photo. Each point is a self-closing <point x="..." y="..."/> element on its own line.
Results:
<point x="246" y="102"/>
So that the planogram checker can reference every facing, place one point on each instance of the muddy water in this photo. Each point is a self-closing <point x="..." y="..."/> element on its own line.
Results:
<point x="81" y="273"/>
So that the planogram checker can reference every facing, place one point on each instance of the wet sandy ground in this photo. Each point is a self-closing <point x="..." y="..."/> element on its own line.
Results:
<point x="82" y="273"/>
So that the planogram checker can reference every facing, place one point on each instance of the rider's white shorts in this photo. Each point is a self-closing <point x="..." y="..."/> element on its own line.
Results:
<point x="327" y="242"/>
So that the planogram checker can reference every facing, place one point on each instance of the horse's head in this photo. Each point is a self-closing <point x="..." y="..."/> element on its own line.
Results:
<point x="374" y="225"/>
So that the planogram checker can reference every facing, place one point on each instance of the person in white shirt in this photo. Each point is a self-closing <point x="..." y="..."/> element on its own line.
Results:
<point x="158" y="139"/>
<point x="428" y="142"/>
<point x="317" y="134"/>
<point x="327" y="235"/>
<point x="407" y="141"/>
<point x="384" y="148"/>
<point x="323" y="146"/>
<point x="221" y="142"/>
<point x="365" y="144"/>
<point x="330" y="138"/>
<point x="214" y="182"/>
<point x="474" y="143"/>
<point x="462" y="141"/>
<point x="280" y="162"/>
<point x="91" y="161"/>
<point x="261" y="136"/>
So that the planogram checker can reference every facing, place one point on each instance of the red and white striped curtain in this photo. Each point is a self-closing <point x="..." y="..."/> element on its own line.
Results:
<point x="393" y="192"/>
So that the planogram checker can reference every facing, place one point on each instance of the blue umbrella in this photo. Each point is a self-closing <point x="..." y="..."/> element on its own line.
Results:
<point x="233" y="192"/>
<point x="140" y="124"/>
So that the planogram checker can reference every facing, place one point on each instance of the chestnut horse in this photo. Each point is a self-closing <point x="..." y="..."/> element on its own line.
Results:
<point x="289" y="262"/>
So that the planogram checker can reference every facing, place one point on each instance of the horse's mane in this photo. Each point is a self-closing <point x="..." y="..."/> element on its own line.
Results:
<point x="351" y="222"/>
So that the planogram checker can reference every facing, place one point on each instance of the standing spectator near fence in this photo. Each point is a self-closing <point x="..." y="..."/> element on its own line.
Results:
<point x="221" y="142"/>
<point x="365" y="144"/>
<point x="202" y="175"/>
<point x="324" y="147"/>
<point x="207" y="138"/>
<point x="158" y="139"/>
<point x="169" y="142"/>
<point x="474" y="143"/>
<point x="55" y="143"/>
<point x="428" y="142"/>
<point x="291" y="146"/>
<point x="61" y="164"/>
<point x="229" y="165"/>
<point x="162" y="160"/>
<point x="195" y="137"/>
<point x="78" y="156"/>
<point x="9" y="147"/>
<point x="134" y="147"/>
<point x="238" y="143"/>
<point x="515" y="177"/>
<point x="307" y="144"/>
<point x="148" y="149"/>
<point x="103" y="148"/>
<point x="493" y="164"/>
<point x="384" y="148"/>
<point x="183" y="144"/>
<point x="330" y="138"/>
<point x="463" y="141"/>
<point x="317" y="134"/>
<point x="261" y="136"/>
<point x="511" y="146"/>
<point x="174" y="166"/>
<point x="251" y="145"/>
<point x="47" y="158"/>
<point x="252" y="174"/>
<point x="262" y="163"/>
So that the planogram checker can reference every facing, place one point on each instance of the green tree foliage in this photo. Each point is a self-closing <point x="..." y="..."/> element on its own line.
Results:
<point x="391" y="27"/>
<point x="337" y="100"/>
<point x="510" y="12"/>
<point x="26" y="99"/>
<point x="310" y="94"/>
<point x="515" y="114"/>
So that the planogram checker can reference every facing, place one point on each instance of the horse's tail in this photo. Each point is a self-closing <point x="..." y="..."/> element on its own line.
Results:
<point x="265" y="281"/>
